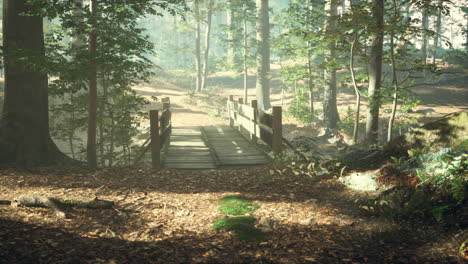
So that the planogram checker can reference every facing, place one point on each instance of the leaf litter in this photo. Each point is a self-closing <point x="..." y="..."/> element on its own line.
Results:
<point x="166" y="217"/>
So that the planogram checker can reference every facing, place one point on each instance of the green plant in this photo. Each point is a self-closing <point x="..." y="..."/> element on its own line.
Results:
<point x="237" y="205"/>
<point x="400" y="203"/>
<point x="242" y="227"/>
<point x="438" y="211"/>
<point x="299" y="109"/>
<point x="347" y="121"/>
<point x="397" y="161"/>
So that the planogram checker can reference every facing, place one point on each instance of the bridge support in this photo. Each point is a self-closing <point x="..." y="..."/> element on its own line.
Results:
<point x="155" y="140"/>
<point x="277" y="127"/>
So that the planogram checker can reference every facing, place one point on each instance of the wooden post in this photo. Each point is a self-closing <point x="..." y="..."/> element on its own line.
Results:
<point x="166" y="103"/>
<point x="241" y="101"/>
<point x="277" y="129"/>
<point x="231" y="121"/>
<point x="253" y="136"/>
<point x="166" y="106"/>
<point x="155" y="139"/>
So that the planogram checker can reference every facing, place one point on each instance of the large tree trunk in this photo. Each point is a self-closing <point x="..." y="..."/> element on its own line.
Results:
<point x="330" y="111"/>
<point x="263" y="55"/>
<point x="92" y="107"/>
<point x="198" y="70"/>
<point x="375" y="72"/>
<point x="24" y="127"/>
<point x="207" y="43"/>
<point x="438" y="29"/>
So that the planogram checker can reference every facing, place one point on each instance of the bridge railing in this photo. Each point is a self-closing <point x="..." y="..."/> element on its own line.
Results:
<point x="160" y="131"/>
<point x="259" y="124"/>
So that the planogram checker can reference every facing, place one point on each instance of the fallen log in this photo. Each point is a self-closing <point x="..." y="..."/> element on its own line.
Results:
<point x="58" y="205"/>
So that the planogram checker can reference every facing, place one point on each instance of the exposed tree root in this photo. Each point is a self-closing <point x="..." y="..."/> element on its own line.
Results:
<point x="58" y="205"/>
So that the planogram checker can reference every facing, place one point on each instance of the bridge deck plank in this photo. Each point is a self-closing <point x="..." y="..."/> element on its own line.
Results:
<point x="209" y="148"/>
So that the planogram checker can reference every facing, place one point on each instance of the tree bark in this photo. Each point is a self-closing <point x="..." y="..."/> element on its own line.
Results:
<point x="330" y="110"/>
<point x="198" y="70"/>
<point x="394" y="78"/>
<point x="246" y="38"/>
<point x="207" y="43"/>
<point x="24" y="126"/>
<point x="354" y="5"/>
<point x="356" y="90"/>
<point x="92" y="107"/>
<point x="263" y="55"/>
<point x="230" y="54"/>
<point x="375" y="72"/>
<point x="310" y="83"/>
<point x="425" y="27"/>
<point x="438" y="29"/>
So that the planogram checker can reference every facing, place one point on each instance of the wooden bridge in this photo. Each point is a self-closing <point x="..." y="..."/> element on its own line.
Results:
<point x="211" y="147"/>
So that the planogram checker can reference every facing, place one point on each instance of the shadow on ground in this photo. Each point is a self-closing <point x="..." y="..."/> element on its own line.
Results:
<point x="25" y="243"/>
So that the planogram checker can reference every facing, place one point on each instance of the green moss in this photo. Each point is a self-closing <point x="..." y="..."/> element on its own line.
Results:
<point x="237" y="205"/>
<point x="242" y="227"/>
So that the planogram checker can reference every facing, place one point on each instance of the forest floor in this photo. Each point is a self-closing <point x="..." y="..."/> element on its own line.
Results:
<point x="166" y="217"/>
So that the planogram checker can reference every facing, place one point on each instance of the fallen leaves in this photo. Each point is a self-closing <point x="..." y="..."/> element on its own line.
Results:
<point x="165" y="217"/>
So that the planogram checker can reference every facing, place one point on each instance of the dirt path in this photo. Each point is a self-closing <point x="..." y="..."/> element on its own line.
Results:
<point x="166" y="217"/>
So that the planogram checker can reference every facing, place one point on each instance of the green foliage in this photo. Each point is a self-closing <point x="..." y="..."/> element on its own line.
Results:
<point x="347" y="121"/>
<point x="123" y="59"/>
<point x="444" y="187"/>
<point x="299" y="109"/>
<point x="242" y="226"/>
<point x="237" y="205"/>
<point x="402" y="203"/>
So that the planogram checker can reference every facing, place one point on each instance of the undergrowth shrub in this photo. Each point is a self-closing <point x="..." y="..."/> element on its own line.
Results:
<point x="299" y="110"/>
<point x="443" y="191"/>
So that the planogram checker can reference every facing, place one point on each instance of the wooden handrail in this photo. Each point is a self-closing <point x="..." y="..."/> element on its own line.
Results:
<point x="259" y="124"/>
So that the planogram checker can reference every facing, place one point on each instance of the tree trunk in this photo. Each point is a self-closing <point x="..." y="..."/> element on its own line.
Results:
<point x="330" y="110"/>
<point x="375" y="72"/>
<point x="111" y="143"/>
<point x="438" y="29"/>
<point x="198" y="70"/>
<point x="425" y="27"/>
<point x="230" y="55"/>
<point x="263" y="55"/>
<point x="356" y="89"/>
<point x="246" y="38"/>
<point x="394" y="78"/>
<point x="207" y="43"/>
<point x="310" y="83"/>
<point x="24" y="127"/>
<point x="92" y="107"/>
<point x="466" y="28"/>
<point x="354" y="6"/>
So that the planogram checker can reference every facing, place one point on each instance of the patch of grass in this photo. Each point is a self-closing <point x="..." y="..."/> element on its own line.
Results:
<point x="242" y="226"/>
<point x="237" y="205"/>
